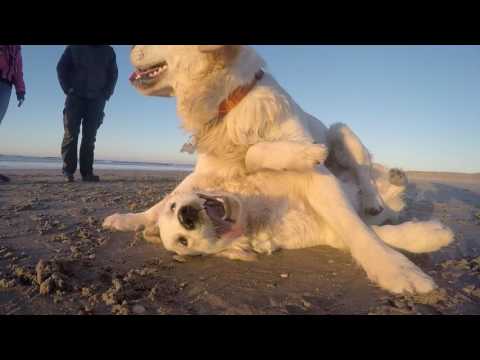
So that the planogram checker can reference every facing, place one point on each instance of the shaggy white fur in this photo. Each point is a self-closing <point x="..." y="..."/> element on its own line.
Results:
<point x="268" y="131"/>
<point x="268" y="211"/>
<point x="201" y="77"/>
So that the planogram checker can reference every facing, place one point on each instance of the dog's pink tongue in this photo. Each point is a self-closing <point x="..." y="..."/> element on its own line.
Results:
<point x="235" y="232"/>
<point x="133" y="77"/>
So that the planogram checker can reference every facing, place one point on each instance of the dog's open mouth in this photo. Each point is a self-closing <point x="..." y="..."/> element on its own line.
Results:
<point x="222" y="212"/>
<point x="149" y="75"/>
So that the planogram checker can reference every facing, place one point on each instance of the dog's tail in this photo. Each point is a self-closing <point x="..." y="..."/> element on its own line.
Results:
<point x="416" y="237"/>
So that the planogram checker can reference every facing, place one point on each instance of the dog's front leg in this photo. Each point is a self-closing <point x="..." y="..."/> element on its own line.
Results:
<point x="385" y="266"/>
<point x="149" y="218"/>
<point x="285" y="155"/>
<point x="133" y="222"/>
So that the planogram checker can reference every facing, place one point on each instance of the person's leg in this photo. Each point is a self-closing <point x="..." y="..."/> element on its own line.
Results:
<point x="72" y="118"/>
<point x="5" y="93"/>
<point x="91" y="123"/>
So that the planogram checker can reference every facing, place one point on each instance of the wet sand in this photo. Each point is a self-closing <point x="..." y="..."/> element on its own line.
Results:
<point x="56" y="259"/>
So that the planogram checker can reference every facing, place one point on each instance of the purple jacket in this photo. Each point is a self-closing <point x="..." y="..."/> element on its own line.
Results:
<point x="11" y="66"/>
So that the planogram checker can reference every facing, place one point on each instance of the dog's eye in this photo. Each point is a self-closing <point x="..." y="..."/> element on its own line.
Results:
<point x="173" y="206"/>
<point x="182" y="241"/>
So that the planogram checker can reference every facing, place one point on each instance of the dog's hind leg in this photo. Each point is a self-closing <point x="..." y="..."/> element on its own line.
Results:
<point x="347" y="149"/>
<point x="416" y="237"/>
<point x="385" y="266"/>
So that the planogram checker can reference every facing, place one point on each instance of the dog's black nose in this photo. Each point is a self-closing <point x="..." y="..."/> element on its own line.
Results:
<point x="188" y="217"/>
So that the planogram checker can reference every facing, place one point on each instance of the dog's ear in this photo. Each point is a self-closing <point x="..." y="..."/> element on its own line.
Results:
<point x="210" y="48"/>
<point x="221" y="53"/>
<point x="152" y="234"/>
<point x="238" y="254"/>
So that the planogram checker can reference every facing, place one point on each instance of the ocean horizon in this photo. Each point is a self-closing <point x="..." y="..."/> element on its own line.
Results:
<point x="20" y="162"/>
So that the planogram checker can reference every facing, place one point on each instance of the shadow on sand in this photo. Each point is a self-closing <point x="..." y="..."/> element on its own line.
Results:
<point x="421" y="199"/>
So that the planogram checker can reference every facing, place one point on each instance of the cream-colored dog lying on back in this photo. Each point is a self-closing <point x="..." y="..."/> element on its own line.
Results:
<point x="244" y="122"/>
<point x="272" y="210"/>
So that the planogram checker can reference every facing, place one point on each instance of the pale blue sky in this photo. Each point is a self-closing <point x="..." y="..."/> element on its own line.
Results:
<point x="416" y="107"/>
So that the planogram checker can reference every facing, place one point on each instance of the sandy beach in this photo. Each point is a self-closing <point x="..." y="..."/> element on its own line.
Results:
<point x="56" y="259"/>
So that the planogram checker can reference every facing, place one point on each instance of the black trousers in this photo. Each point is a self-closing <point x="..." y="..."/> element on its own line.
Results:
<point x="89" y="114"/>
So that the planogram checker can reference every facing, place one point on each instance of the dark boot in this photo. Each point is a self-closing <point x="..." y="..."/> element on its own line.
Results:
<point x="91" y="178"/>
<point x="4" y="179"/>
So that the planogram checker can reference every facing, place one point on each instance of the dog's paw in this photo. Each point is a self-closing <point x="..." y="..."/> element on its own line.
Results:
<point x="397" y="177"/>
<point x="439" y="235"/>
<point x="426" y="236"/>
<point x="152" y="234"/>
<point x="121" y="222"/>
<point x="397" y="274"/>
<point x="314" y="154"/>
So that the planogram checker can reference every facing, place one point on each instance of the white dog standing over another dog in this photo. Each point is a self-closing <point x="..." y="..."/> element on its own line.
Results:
<point x="243" y="122"/>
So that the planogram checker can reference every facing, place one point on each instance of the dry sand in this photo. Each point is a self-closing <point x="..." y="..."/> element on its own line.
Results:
<point x="56" y="259"/>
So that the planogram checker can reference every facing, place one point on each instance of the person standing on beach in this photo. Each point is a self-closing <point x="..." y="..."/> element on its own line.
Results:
<point x="11" y="74"/>
<point x="88" y="75"/>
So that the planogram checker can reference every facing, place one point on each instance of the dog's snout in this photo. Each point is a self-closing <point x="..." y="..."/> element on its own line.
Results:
<point x="188" y="217"/>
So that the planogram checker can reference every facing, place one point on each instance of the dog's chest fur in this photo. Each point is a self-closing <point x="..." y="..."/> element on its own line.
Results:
<point x="280" y="223"/>
<point x="267" y="113"/>
<point x="216" y="141"/>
